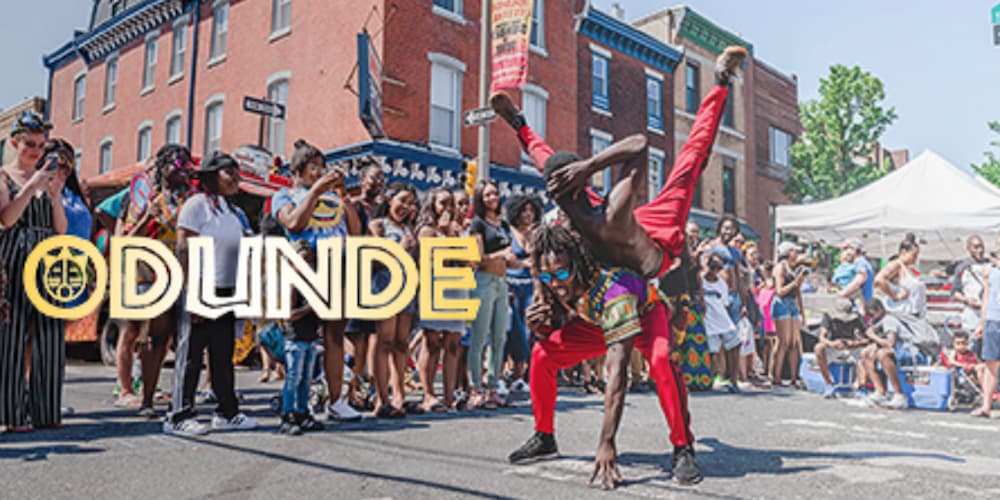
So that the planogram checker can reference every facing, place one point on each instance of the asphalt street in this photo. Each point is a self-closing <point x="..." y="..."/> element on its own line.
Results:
<point x="755" y="445"/>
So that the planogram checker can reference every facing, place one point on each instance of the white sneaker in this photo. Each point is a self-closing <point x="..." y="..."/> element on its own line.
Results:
<point x="897" y="402"/>
<point x="186" y="427"/>
<point x="520" y="385"/>
<point x="502" y="389"/>
<point x="240" y="422"/>
<point x="876" y="399"/>
<point x="340" y="411"/>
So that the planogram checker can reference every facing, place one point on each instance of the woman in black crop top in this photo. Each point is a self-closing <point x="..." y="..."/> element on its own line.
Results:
<point x="490" y="325"/>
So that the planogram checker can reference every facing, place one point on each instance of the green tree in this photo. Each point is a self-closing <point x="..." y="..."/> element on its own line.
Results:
<point x="841" y="129"/>
<point x="990" y="168"/>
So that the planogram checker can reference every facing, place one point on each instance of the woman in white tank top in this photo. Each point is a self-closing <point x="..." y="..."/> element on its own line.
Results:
<point x="901" y="291"/>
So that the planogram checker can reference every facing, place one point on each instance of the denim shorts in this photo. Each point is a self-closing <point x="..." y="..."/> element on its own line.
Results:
<point x="447" y="325"/>
<point x="381" y="280"/>
<point x="991" y="341"/>
<point x="785" y="308"/>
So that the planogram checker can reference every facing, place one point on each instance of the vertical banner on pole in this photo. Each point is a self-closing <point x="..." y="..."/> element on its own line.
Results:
<point x="511" y="29"/>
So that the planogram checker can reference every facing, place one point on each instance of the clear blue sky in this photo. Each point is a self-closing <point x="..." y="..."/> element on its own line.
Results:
<point x="941" y="71"/>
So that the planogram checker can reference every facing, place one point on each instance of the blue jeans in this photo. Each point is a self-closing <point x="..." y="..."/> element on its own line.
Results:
<point x="489" y="328"/>
<point x="518" y="345"/>
<point x="299" y="359"/>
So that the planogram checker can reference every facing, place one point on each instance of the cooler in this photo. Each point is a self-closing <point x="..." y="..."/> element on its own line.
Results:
<point x="926" y="387"/>
<point x="841" y="373"/>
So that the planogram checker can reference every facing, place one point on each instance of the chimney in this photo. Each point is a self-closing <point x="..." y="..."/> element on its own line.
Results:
<point x="618" y="12"/>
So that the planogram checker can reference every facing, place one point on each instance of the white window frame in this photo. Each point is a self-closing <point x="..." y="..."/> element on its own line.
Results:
<point x="655" y="180"/>
<point x="178" y="115"/>
<point x="220" y="101"/>
<point x="147" y="128"/>
<point x="219" y="38"/>
<point x="178" y="48"/>
<point x="538" y="20"/>
<point x="532" y="91"/>
<point x="773" y="153"/>
<point x="600" y="101"/>
<point x="149" y="63"/>
<point x="605" y="175"/>
<point x="79" y="96"/>
<point x="77" y="160"/>
<point x="108" y="142"/>
<point x="657" y="78"/>
<point x="110" y="81"/>
<point x="458" y="68"/>
<point x="279" y="77"/>
<point x="280" y="27"/>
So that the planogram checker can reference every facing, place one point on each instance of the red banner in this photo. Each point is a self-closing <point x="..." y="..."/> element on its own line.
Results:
<point x="511" y="29"/>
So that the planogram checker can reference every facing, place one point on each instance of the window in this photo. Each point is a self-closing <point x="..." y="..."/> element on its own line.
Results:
<point x="117" y="7"/>
<point x="534" y="102"/>
<point x="655" y="173"/>
<point x="213" y="126"/>
<point x="454" y="6"/>
<point x="110" y="82"/>
<point x="178" y="48"/>
<point x="174" y="130"/>
<point x="599" y="141"/>
<point x="691" y="88"/>
<point x="79" y="92"/>
<point x="727" y="117"/>
<point x="281" y="15"/>
<point x="149" y="68"/>
<point x="277" y="92"/>
<point x="537" y="24"/>
<point x="780" y="142"/>
<point x="446" y="99"/>
<point x="144" y="143"/>
<point x="77" y="157"/>
<point x="654" y="103"/>
<point x="599" y="71"/>
<point x="220" y="30"/>
<point x="105" y="157"/>
<point x="728" y="185"/>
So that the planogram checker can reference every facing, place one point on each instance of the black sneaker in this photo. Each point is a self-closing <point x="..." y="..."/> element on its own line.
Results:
<point x="308" y="423"/>
<point x="686" y="471"/>
<point x="289" y="428"/>
<point x="541" y="446"/>
<point x="505" y="108"/>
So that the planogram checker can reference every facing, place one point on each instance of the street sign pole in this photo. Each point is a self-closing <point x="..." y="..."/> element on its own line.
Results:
<point x="260" y="130"/>
<point x="484" y="89"/>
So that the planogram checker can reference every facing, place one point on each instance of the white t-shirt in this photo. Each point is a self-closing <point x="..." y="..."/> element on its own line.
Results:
<point x="717" y="320"/>
<point x="225" y="225"/>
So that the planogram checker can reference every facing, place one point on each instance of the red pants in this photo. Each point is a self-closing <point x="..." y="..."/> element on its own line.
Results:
<point x="578" y="341"/>
<point x="665" y="216"/>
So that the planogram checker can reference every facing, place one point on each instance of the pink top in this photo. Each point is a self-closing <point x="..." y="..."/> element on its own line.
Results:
<point x="765" y="296"/>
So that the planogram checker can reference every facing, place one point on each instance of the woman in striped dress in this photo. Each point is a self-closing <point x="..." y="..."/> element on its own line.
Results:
<point x="31" y="210"/>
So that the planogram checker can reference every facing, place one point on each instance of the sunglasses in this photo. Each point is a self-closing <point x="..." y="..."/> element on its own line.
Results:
<point x="559" y="274"/>
<point x="33" y="144"/>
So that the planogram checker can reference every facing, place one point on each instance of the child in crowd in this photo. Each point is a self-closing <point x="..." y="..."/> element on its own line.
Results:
<point x="961" y="356"/>
<point x="301" y="333"/>
<point x="845" y="272"/>
<point x="723" y="340"/>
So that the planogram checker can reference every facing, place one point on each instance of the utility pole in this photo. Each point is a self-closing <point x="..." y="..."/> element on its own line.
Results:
<point x="485" y="27"/>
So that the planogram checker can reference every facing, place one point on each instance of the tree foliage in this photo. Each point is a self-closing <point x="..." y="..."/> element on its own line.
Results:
<point x="990" y="168"/>
<point x="841" y="130"/>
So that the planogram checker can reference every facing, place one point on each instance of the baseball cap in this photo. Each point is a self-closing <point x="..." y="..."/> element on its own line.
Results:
<point x="217" y="160"/>
<point x="787" y="246"/>
<point x="854" y="243"/>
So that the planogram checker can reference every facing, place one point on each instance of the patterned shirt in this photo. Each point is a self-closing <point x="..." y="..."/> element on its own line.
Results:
<point x="616" y="300"/>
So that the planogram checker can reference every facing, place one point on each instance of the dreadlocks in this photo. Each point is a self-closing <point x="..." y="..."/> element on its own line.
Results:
<point x="559" y="240"/>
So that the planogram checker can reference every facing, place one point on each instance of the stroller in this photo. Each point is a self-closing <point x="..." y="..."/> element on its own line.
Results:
<point x="273" y="340"/>
<point x="965" y="391"/>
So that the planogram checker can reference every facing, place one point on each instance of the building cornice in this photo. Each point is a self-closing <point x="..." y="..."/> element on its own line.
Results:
<point x="628" y="40"/>
<point x="706" y="34"/>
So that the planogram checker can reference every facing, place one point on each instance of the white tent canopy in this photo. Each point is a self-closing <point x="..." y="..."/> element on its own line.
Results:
<point x="928" y="196"/>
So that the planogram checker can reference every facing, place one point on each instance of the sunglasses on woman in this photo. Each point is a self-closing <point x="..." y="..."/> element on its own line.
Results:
<point x="558" y="274"/>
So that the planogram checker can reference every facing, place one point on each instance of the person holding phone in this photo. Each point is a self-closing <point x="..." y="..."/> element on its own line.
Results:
<point x="31" y="210"/>
<point x="787" y="312"/>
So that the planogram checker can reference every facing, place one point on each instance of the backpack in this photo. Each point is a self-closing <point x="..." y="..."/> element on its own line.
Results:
<point x="918" y="332"/>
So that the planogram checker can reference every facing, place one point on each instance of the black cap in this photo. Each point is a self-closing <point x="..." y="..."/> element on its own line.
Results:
<point x="217" y="160"/>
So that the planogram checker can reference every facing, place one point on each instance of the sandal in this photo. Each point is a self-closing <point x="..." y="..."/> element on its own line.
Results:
<point x="128" y="401"/>
<point x="413" y="408"/>
<point x="389" y="411"/>
<point x="264" y="378"/>
<point x="436" y="407"/>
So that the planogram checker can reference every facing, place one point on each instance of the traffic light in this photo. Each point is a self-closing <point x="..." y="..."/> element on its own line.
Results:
<point x="470" y="167"/>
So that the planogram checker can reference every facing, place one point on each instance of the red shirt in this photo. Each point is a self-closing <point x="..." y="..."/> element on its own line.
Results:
<point x="966" y="360"/>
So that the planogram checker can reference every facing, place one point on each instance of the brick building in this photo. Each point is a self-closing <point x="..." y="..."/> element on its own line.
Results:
<point x="155" y="71"/>
<point x="749" y="163"/>
<point x="625" y="87"/>
<point x="7" y="118"/>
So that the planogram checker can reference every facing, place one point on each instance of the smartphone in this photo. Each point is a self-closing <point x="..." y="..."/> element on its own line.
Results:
<point x="51" y="162"/>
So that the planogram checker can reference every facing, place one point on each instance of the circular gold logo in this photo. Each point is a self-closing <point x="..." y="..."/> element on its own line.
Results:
<point x="64" y="261"/>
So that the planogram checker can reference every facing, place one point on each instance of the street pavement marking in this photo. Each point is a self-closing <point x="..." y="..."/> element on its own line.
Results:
<point x="959" y="425"/>
<point x="812" y="424"/>
<point x="643" y="480"/>
<point x="859" y="474"/>
<point x="895" y="457"/>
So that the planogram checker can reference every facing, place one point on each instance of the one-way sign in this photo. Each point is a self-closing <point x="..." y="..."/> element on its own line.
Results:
<point x="479" y="116"/>
<point x="262" y="107"/>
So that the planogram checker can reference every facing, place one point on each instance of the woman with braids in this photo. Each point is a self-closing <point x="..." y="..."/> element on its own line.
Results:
<point x="310" y="211"/>
<point x="436" y="221"/>
<point x="31" y="210"/>
<point x="158" y="220"/>
<point x="523" y="212"/>
<point x="584" y="312"/>
<point x="393" y="221"/>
